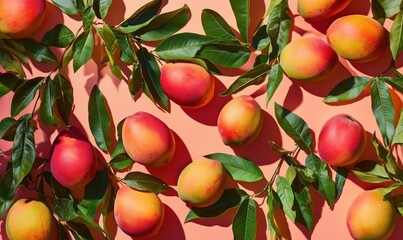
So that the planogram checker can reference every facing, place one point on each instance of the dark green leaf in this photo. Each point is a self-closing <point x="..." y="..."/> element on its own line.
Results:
<point x="295" y="127"/>
<point x="388" y="7"/>
<point x="109" y="41"/>
<point x="16" y="48"/>
<point x="108" y="203"/>
<point x="80" y="231"/>
<point x="279" y="28"/>
<point x="304" y="202"/>
<point x="66" y="6"/>
<point x="378" y="11"/>
<point x="99" y="119"/>
<point x="182" y="46"/>
<point x="124" y="44"/>
<point x="385" y="156"/>
<point x="48" y="100"/>
<point x="23" y="155"/>
<point x="244" y="226"/>
<point x="275" y="78"/>
<point x="101" y="7"/>
<point x="165" y="24"/>
<point x="383" y="110"/>
<point x="260" y="39"/>
<point x="58" y="190"/>
<point x="7" y="190"/>
<point x="214" y="25"/>
<point x="135" y="82"/>
<point x="10" y="64"/>
<point x="394" y="82"/>
<point x="8" y="83"/>
<point x="121" y="161"/>
<point x="88" y="18"/>
<point x="60" y="36"/>
<point x="93" y="195"/>
<point x="255" y="76"/>
<point x="369" y="171"/>
<point x="8" y="127"/>
<point x="62" y="233"/>
<point x="239" y="168"/>
<point x="396" y="35"/>
<point x="141" y="17"/>
<point x="24" y="95"/>
<point x="341" y="176"/>
<point x="348" y="89"/>
<point x="398" y="137"/>
<point x="273" y="202"/>
<point x="68" y="57"/>
<point x="145" y="182"/>
<point x="82" y="49"/>
<point x="241" y="9"/>
<point x="37" y="51"/>
<point x="230" y="198"/>
<point x="286" y="195"/>
<point x="119" y="148"/>
<point x="278" y="149"/>
<point x="225" y="55"/>
<point x="64" y="93"/>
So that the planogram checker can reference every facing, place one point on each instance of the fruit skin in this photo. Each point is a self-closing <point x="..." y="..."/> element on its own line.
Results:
<point x="318" y="10"/>
<point x="73" y="162"/>
<point x="357" y="38"/>
<point x="137" y="213"/>
<point x="187" y="84"/>
<point x="341" y="140"/>
<point x="201" y="183"/>
<point x="30" y="219"/>
<point x="308" y="59"/>
<point x="21" y="18"/>
<point x="148" y="140"/>
<point x="240" y="121"/>
<point x="371" y="217"/>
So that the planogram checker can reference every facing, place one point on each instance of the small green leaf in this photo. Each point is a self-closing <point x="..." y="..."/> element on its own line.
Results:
<point x="255" y="76"/>
<point x="244" y="226"/>
<point x="341" y="176"/>
<point x="396" y="35"/>
<point x="119" y="148"/>
<point x="305" y="213"/>
<point x="88" y="18"/>
<point x="182" y="46"/>
<point x="273" y="202"/>
<point x="241" y="9"/>
<point x="295" y="127"/>
<point x="369" y="171"/>
<point x="24" y="95"/>
<point x="141" y="17"/>
<point x="286" y="195"/>
<point x="46" y="109"/>
<point x="82" y="49"/>
<point x="260" y="39"/>
<point x="145" y="182"/>
<point x="109" y="41"/>
<point x="398" y="137"/>
<point x="239" y="168"/>
<point x="7" y="189"/>
<point x="125" y="46"/>
<point x="383" y="110"/>
<point x="229" y="199"/>
<point x="278" y="149"/>
<point x="214" y="25"/>
<point x="385" y="156"/>
<point x="392" y="187"/>
<point x="67" y="6"/>
<point x="65" y="99"/>
<point x="8" y="82"/>
<point x="279" y="28"/>
<point x="348" y="89"/>
<point x="394" y="82"/>
<point x="135" y="82"/>
<point x="378" y="11"/>
<point x="108" y="203"/>
<point x="99" y="119"/>
<point x="225" y="55"/>
<point x="10" y="64"/>
<point x="60" y="36"/>
<point x="16" y="48"/>
<point x="275" y="78"/>
<point x="388" y="7"/>
<point x="121" y="161"/>
<point x="93" y="195"/>
<point x="37" y="51"/>
<point x="8" y="127"/>
<point x="101" y="8"/>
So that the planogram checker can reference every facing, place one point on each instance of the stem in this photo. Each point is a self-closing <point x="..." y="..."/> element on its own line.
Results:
<point x="276" y="172"/>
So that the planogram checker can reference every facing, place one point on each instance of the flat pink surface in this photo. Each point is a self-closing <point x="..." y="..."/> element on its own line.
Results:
<point x="196" y="132"/>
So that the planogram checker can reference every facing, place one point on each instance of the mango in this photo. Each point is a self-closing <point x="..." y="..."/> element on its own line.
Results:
<point x="320" y="9"/>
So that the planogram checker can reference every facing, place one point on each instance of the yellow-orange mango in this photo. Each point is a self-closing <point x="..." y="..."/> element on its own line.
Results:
<point x="30" y="219"/>
<point x="21" y="18"/>
<point x="320" y="9"/>
<point x="308" y="59"/>
<point x="187" y="84"/>
<point x="138" y="213"/>
<point x="148" y="140"/>
<point x="201" y="183"/>
<point x="371" y="217"/>
<point x="240" y="121"/>
<point x="357" y="38"/>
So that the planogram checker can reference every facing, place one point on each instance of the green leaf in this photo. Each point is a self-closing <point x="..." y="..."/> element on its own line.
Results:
<point x="385" y="156"/>
<point x="108" y="203"/>
<point x="278" y="149"/>
<point x="24" y="95"/>
<point x="295" y="127"/>
<point x="279" y="28"/>
<point x="273" y="202"/>
<point x="101" y="7"/>
<point x="67" y="6"/>
<point x="398" y="137"/>
<point x="99" y="119"/>
<point x="341" y="176"/>
<point x="141" y="17"/>
<point x="82" y="49"/>
<point x="214" y="25"/>
<point x="165" y="24"/>
<point x="79" y="231"/>
<point x="388" y="190"/>
<point x="394" y="82"/>
<point x="8" y="127"/>
<point x="16" y="48"/>
<point x="241" y="9"/>
<point x="304" y="202"/>
<point x="231" y="198"/>
<point x="121" y="161"/>
<point x="125" y="45"/>
<point x="60" y="36"/>
<point x="88" y="18"/>
<point x="240" y="169"/>
<point x="378" y="11"/>
<point x="182" y="46"/>
<point x="225" y="55"/>
<point x="286" y="195"/>
<point x="244" y="226"/>
<point x="109" y="41"/>
<point x="37" y="51"/>
<point x="145" y="182"/>
<point x="260" y="39"/>
<point x="10" y="64"/>
<point x="23" y="155"/>
<point x="46" y="109"/>
<point x="93" y="195"/>
<point x="396" y="35"/>
<point x="348" y="89"/>
<point x="255" y="76"/>
<point x="8" y="83"/>
<point x="388" y="7"/>
<point x="135" y="82"/>
<point x="65" y="99"/>
<point x="119" y="148"/>
<point x="275" y="78"/>
<point x="369" y="171"/>
<point x="151" y="74"/>
<point x="383" y="110"/>
<point x="58" y="190"/>
<point x="7" y="189"/>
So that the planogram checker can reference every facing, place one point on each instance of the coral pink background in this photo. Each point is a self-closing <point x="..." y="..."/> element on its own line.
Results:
<point x="196" y="132"/>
